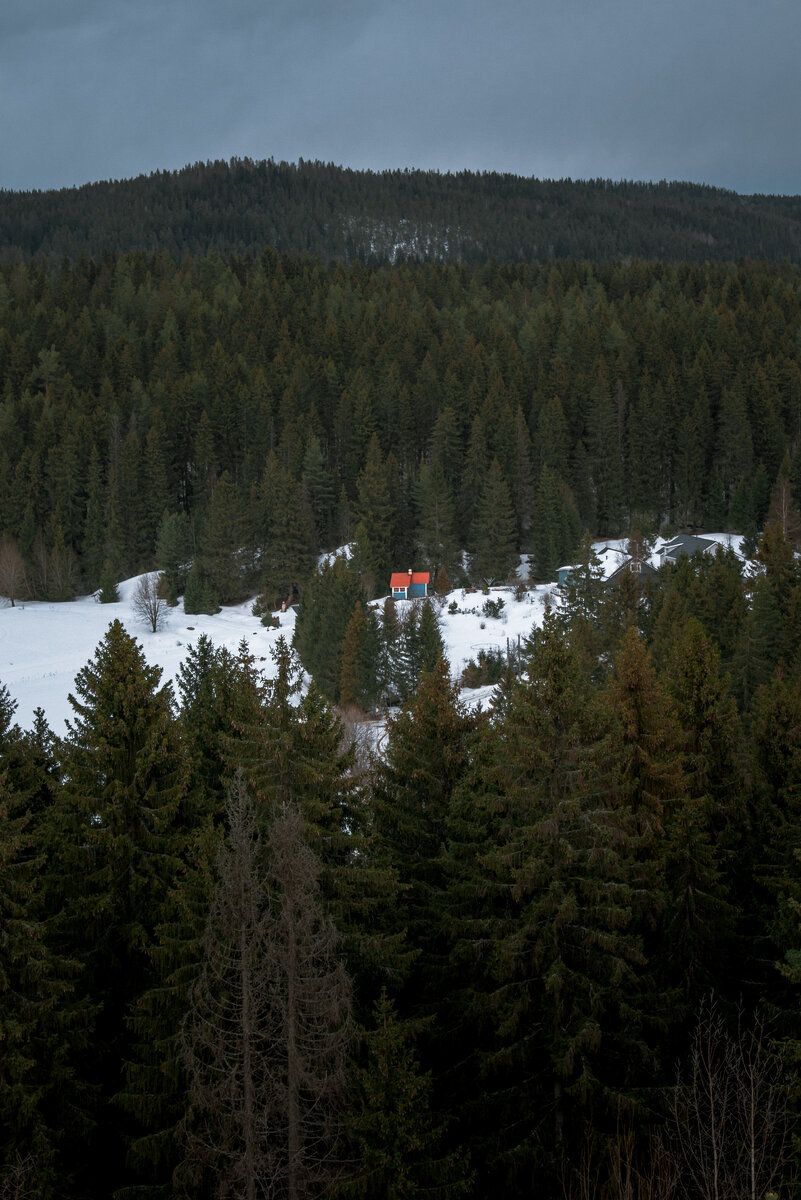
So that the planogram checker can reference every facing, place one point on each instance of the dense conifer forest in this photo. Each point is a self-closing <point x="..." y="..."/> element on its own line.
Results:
<point x="549" y="948"/>
<point x="395" y="216"/>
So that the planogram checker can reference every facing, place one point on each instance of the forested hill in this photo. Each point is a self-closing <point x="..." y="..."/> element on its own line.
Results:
<point x="337" y="214"/>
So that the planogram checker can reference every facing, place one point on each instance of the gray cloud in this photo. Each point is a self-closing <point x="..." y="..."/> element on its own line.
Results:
<point x="707" y="91"/>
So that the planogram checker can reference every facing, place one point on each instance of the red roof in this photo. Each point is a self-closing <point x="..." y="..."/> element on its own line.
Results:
<point x="402" y="579"/>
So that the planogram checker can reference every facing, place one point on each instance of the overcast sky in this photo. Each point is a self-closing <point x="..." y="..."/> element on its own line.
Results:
<point x="701" y="90"/>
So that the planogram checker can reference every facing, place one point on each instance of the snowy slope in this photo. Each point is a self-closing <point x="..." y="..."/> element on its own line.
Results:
<point x="43" y="646"/>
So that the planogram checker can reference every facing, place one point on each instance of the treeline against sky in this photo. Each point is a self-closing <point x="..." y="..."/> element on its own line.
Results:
<point x="242" y="415"/>
<point x="554" y="945"/>
<point x="416" y="216"/>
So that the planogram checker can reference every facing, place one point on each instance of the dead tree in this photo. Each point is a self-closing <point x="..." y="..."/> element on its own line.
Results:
<point x="266" y="1035"/>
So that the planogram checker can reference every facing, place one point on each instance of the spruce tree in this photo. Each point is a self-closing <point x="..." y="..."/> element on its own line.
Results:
<point x="43" y="1028"/>
<point x="556" y="528"/>
<point x="493" y="537"/>
<point x="116" y="825"/>
<point x="174" y="553"/>
<point x="436" y="529"/>
<point x="375" y="511"/>
<point x="328" y="603"/>
<point x="398" y="1137"/>
<point x="359" y="685"/>
<point x="707" y="831"/>
<point x="566" y="960"/>
<point x="221" y="544"/>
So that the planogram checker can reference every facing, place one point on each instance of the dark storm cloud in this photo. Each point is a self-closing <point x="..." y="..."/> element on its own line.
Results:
<point x="705" y="91"/>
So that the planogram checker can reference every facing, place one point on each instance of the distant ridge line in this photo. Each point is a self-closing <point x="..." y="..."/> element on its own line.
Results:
<point x="335" y="213"/>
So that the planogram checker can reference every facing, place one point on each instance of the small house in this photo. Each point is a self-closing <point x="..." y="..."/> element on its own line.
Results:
<point x="612" y="563"/>
<point x="408" y="585"/>
<point x="685" y="545"/>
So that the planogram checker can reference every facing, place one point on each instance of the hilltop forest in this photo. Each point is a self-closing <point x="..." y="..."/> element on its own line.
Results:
<point x="548" y="948"/>
<point x="240" y="206"/>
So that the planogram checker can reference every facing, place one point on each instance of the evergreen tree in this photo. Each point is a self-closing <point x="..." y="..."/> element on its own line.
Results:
<point x="174" y="553"/>
<point x="359" y="685"/>
<point x="328" y="603"/>
<point x="427" y="755"/>
<point x="108" y="592"/>
<point x="708" y="830"/>
<point x="198" y="597"/>
<point x="116" y="827"/>
<point x="493" y="537"/>
<point x="220" y="695"/>
<point x="566" y="963"/>
<point x="436" y="529"/>
<point x="94" y="547"/>
<point x="430" y="646"/>
<point x="583" y="609"/>
<point x="285" y="537"/>
<point x="388" y="651"/>
<point x="42" y="1028"/>
<point x="375" y="511"/>
<point x="318" y="485"/>
<point x="398" y="1137"/>
<point x="556" y="530"/>
<point x="474" y="477"/>
<point x="221" y="544"/>
<point x="759" y="643"/>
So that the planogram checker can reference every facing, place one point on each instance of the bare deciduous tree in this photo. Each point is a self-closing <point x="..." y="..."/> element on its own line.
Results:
<point x="148" y="602"/>
<point x="731" y="1135"/>
<point x="20" y="1181"/>
<point x="266" y="1036"/>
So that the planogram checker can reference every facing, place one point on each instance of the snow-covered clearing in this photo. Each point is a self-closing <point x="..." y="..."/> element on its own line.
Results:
<point x="43" y="646"/>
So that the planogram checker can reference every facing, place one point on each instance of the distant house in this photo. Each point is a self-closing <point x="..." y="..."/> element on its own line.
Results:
<point x="685" y="545"/>
<point x="613" y="563"/>
<point x="407" y="585"/>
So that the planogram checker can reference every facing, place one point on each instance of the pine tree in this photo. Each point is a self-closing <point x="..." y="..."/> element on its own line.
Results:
<point x="220" y="694"/>
<point x="430" y="646"/>
<point x="94" y="552"/>
<point x="318" y="484"/>
<point x="473" y="478"/>
<point x="582" y="607"/>
<point x="284" y="538"/>
<point x="707" y="830"/>
<point x="198" y="597"/>
<point x="375" y="511"/>
<point x="426" y="756"/>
